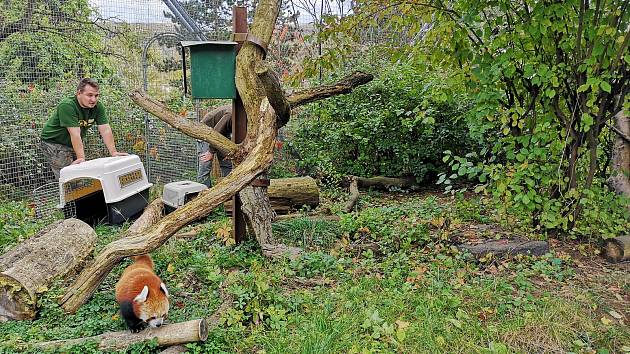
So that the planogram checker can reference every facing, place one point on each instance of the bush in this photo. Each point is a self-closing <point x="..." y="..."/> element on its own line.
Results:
<point x="398" y="125"/>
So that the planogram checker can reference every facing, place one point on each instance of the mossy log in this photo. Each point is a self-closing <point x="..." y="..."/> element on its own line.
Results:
<point x="167" y="335"/>
<point x="617" y="249"/>
<point x="287" y="194"/>
<point x="29" y="268"/>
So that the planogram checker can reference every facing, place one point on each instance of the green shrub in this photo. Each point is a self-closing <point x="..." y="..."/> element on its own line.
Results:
<point x="398" y="125"/>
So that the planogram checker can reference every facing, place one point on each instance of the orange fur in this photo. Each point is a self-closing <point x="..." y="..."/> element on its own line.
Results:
<point x="138" y="310"/>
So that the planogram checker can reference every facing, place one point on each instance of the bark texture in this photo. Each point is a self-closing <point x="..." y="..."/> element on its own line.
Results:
<point x="152" y="214"/>
<point x="29" y="268"/>
<point x="167" y="335"/>
<point x="620" y="180"/>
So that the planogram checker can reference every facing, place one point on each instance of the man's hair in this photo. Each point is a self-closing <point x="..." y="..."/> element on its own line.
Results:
<point x="87" y="82"/>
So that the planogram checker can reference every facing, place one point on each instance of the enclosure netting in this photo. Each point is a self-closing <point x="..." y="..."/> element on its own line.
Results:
<point x="46" y="46"/>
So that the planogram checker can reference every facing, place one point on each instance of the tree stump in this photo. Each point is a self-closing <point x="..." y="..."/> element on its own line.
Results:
<point x="29" y="268"/>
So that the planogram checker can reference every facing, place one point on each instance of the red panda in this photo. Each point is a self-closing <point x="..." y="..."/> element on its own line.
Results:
<point x="142" y="296"/>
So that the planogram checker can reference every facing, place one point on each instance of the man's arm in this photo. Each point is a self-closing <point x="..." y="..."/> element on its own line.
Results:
<point x="108" y="138"/>
<point x="77" y="144"/>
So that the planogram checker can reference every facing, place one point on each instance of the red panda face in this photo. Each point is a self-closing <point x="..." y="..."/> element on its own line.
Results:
<point x="152" y="305"/>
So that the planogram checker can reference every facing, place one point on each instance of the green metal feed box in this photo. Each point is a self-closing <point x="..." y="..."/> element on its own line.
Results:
<point x="213" y="67"/>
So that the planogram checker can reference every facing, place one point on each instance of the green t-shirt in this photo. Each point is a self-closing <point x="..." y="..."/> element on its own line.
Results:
<point x="70" y="114"/>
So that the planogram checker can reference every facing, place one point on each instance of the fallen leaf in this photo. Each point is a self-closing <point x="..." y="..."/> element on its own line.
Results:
<point x="606" y="321"/>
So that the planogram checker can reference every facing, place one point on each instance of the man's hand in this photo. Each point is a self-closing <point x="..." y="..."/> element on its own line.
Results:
<point x="77" y="161"/>
<point x="206" y="156"/>
<point x="118" y="153"/>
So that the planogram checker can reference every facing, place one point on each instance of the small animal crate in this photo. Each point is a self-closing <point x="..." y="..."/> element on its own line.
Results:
<point x="111" y="189"/>
<point x="176" y="194"/>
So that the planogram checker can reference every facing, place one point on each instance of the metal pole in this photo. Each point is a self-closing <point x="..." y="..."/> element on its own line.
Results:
<point x="192" y="23"/>
<point x="239" y="125"/>
<point x="180" y="17"/>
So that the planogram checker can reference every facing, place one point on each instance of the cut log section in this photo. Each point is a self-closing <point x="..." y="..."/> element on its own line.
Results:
<point x="167" y="335"/>
<point x="617" y="249"/>
<point x="287" y="194"/>
<point x="29" y="268"/>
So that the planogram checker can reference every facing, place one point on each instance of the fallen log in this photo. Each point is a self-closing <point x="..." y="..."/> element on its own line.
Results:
<point x="288" y="194"/>
<point x="381" y="182"/>
<point x="617" y="249"/>
<point x="29" y="268"/>
<point x="507" y="247"/>
<point x="167" y="335"/>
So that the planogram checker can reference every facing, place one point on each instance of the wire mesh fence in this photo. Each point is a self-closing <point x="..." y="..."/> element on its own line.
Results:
<point x="47" y="46"/>
<point x="125" y="46"/>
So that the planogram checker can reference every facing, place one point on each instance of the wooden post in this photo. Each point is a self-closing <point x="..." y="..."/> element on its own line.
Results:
<point x="239" y="122"/>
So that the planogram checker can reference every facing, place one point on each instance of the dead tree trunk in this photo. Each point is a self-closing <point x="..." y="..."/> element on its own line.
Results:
<point x="171" y="334"/>
<point x="620" y="180"/>
<point x="29" y="268"/>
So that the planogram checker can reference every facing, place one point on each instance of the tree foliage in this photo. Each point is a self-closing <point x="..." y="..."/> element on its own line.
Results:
<point x="396" y="126"/>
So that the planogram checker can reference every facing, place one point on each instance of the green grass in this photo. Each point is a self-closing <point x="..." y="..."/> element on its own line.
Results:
<point x="415" y="294"/>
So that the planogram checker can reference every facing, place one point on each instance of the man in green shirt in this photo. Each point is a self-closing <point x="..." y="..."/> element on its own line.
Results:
<point x="63" y="133"/>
